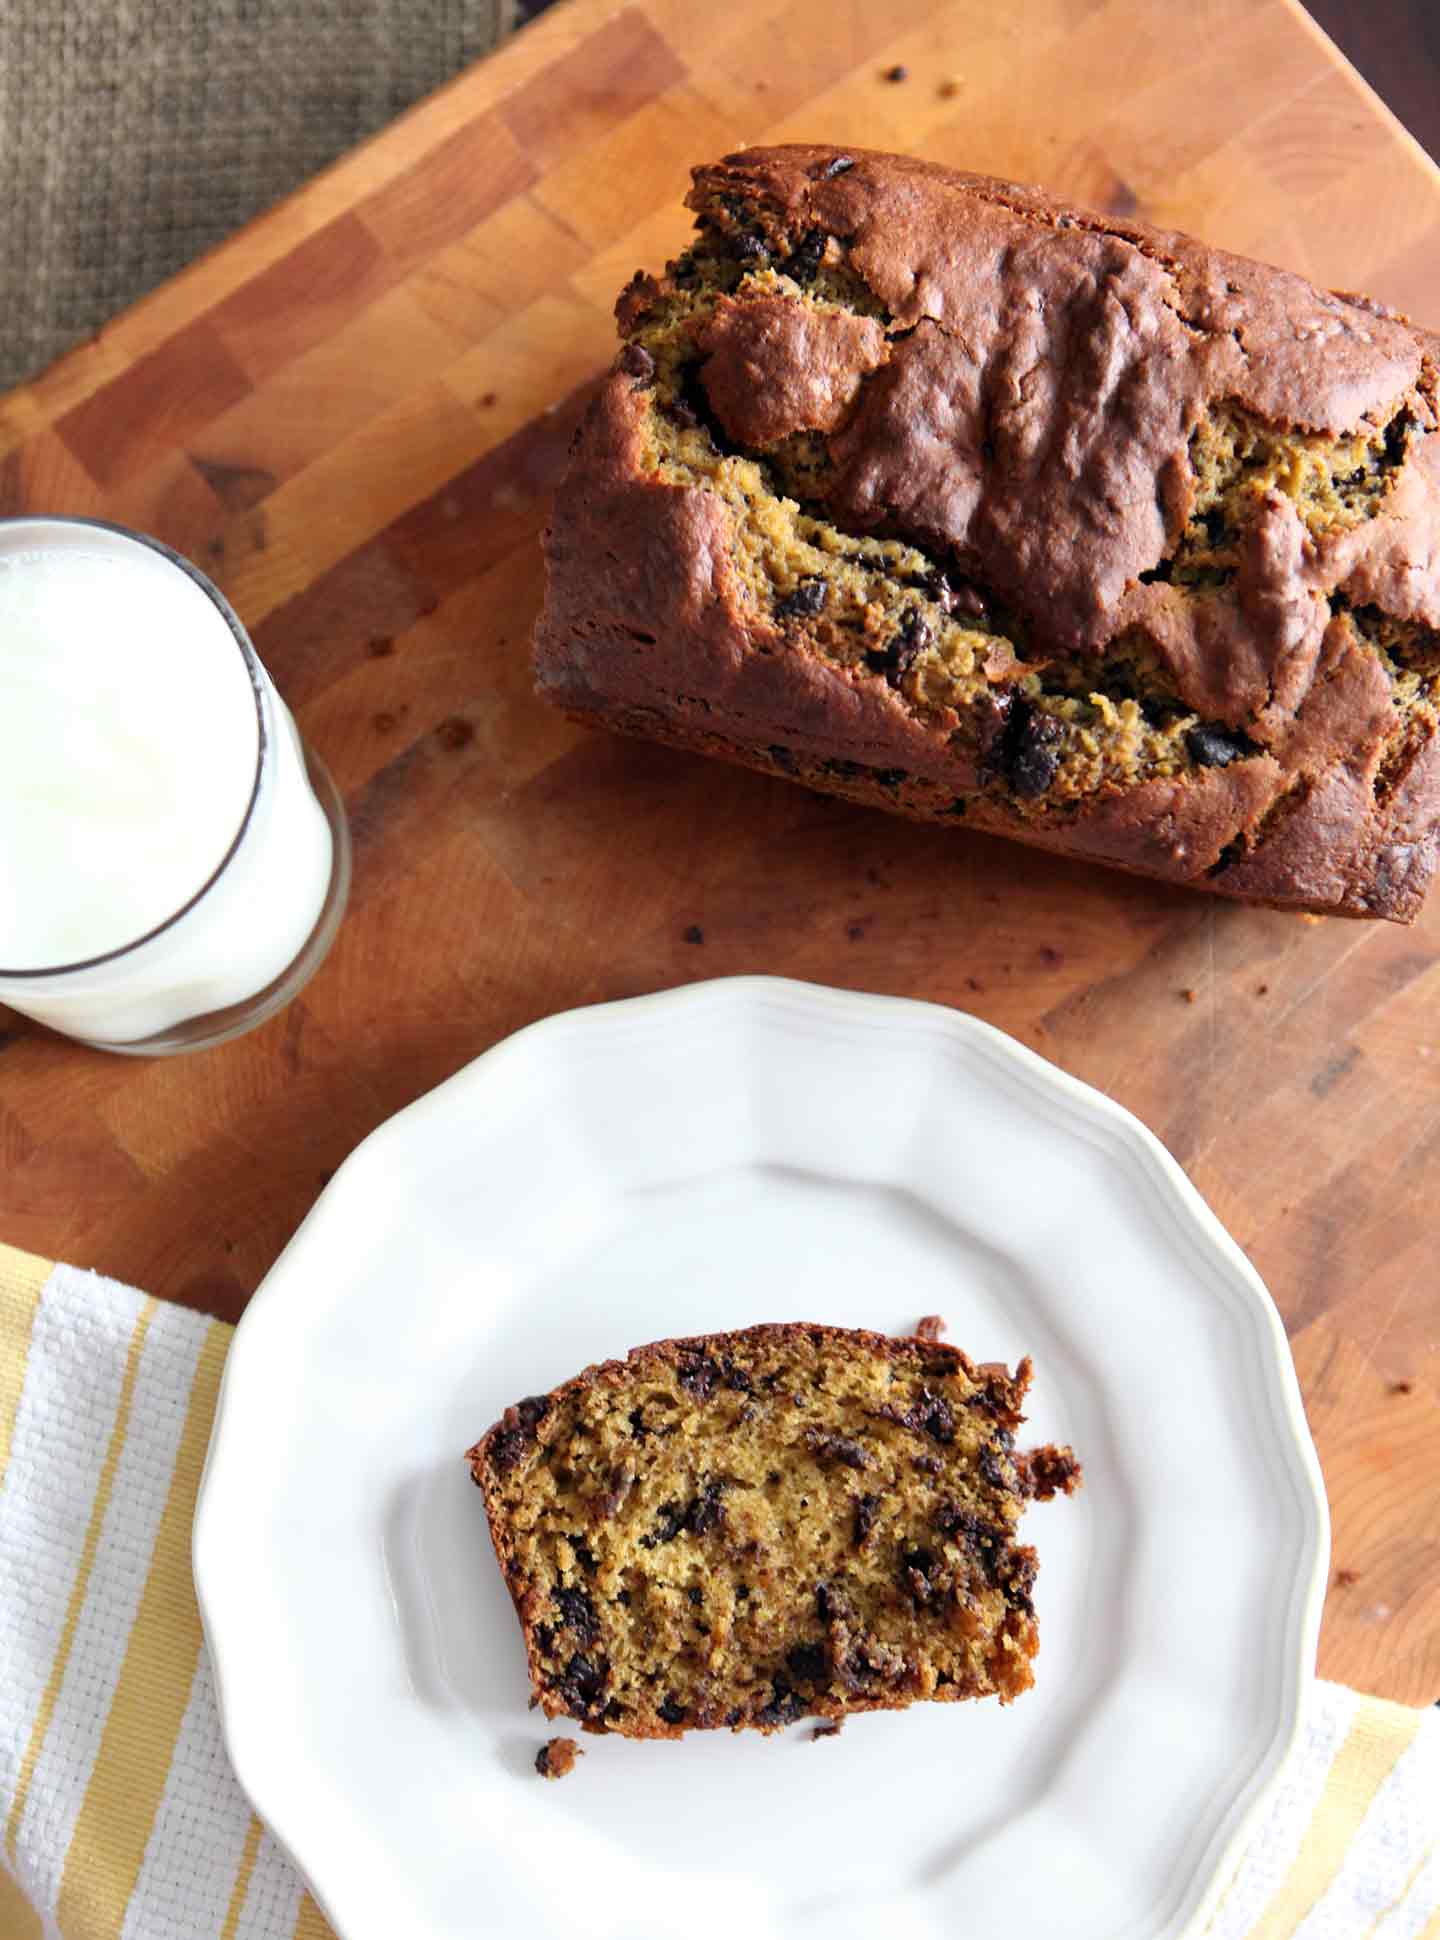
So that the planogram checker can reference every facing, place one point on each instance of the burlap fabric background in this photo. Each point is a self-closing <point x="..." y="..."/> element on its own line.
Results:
<point x="136" y="133"/>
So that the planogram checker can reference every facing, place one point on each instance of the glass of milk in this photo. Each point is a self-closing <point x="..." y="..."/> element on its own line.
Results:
<point x="174" y="861"/>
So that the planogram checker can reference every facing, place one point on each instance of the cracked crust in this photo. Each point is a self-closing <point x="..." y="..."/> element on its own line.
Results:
<point x="939" y="493"/>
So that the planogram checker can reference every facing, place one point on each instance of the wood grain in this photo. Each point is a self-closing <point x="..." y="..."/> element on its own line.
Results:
<point x="353" y="415"/>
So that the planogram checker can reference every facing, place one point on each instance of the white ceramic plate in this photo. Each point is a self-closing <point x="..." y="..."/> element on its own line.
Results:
<point x="735" y="1152"/>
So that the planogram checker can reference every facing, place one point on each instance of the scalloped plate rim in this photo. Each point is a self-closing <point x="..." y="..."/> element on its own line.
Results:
<point x="1194" y="1898"/>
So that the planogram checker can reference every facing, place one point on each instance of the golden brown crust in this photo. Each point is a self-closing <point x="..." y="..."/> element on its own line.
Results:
<point x="1014" y="386"/>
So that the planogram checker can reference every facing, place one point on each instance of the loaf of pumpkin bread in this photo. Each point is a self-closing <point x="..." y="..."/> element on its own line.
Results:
<point x="931" y="491"/>
<point x="745" y="1529"/>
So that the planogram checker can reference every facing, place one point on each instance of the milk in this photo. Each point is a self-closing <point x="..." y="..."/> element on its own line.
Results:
<point x="163" y="856"/>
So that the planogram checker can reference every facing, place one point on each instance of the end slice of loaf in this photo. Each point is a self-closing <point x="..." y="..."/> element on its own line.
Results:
<point x="745" y="1529"/>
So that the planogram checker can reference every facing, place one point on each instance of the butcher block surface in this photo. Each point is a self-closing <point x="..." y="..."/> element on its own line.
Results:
<point x="352" y="415"/>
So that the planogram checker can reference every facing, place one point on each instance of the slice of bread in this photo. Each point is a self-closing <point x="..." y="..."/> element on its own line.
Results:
<point x="745" y="1529"/>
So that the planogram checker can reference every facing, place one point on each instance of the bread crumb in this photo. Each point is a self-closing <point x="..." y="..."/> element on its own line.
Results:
<point x="950" y="87"/>
<point x="897" y="73"/>
<point x="557" y="1758"/>
<point x="1190" y="996"/>
<point x="1346" y="1579"/>
<point x="1262" y="990"/>
<point x="830" y="1729"/>
<point x="694" y="934"/>
<point x="1402" y="1387"/>
<point x="1309" y="916"/>
<point x="932" y="1327"/>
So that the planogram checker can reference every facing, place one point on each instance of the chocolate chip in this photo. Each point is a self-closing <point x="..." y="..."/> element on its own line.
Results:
<point x="739" y="1379"/>
<point x="784" y="1707"/>
<point x="508" y="1448"/>
<point x="897" y="73"/>
<point x="823" y="1605"/>
<point x="806" y="600"/>
<point x="576" y="1612"/>
<point x="669" y="1521"/>
<point x="680" y="412"/>
<point x="518" y="1426"/>
<point x="784" y="760"/>
<point x="1029" y="752"/>
<point x="991" y="714"/>
<point x="865" y="1509"/>
<point x="693" y="934"/>
<point x="697" y="1373"/>
<point x="707" y="1511"/>
<point x="837" y="165"/>
<point x="623" y="1597"/>
<point x="742" y="1592"/>
<point x="869" y="1659"/>
<point x="672" y="1710"/>
<point x="695" y="1593"/>
<point x="985" y="1541"/>
<point x="638" y="1430"/>
<point x="807" y="257"/>
<point x="636" y="362"/>
<point x="808" y="1663"/>
<point x="545" y="1637"/>
<point x="585" y="1555"/>
<point x="961" y="600"/>
<point x="699" y="1517"/>
<point x="930" y="1414"/>
<point x="583" y="1684"/>
<point x="828" y="1447"/>
<point x="1016" y="1576"/>
<point x="895" y="659"/>
<point x="747" y="246"/>
<point x="1216" y="747"/>
<point x="1397" y="437"/>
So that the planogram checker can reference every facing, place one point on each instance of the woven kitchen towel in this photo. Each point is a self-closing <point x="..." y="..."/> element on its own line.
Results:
<point x="136" y="133"/>
<point x="121" y="1816"/>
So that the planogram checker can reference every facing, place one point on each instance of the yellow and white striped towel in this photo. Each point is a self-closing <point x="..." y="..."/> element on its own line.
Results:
<point x="121" y="1815"/>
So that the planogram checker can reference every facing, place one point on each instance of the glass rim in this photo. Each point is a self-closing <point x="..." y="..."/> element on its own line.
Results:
<point x="254" y="672"/>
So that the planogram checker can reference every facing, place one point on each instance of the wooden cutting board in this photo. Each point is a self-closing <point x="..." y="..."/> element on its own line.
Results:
<point x="352" y="415"/>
